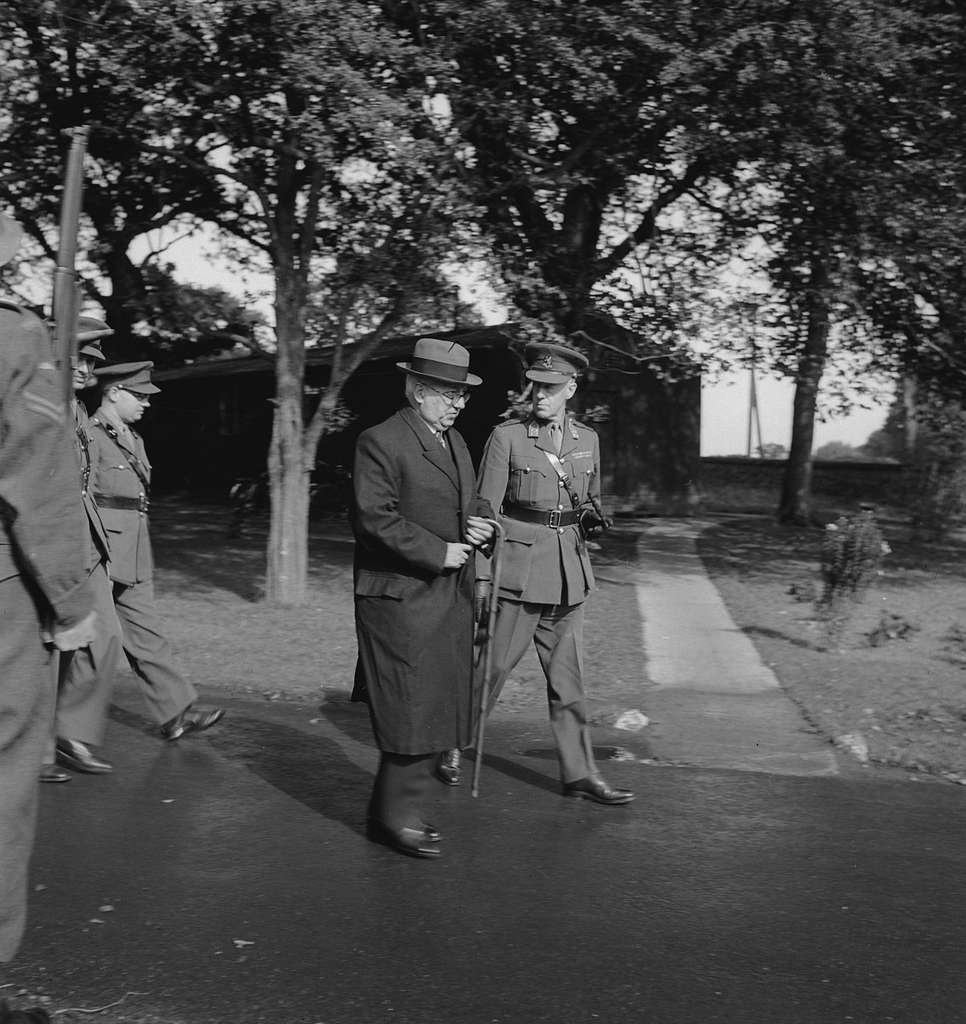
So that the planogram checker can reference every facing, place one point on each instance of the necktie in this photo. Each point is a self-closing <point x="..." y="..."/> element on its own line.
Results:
<point x="440" y="438"/>
<point x="556" y="436"/>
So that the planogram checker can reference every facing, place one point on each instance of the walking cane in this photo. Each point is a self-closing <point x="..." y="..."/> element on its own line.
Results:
<point x="488" y="651"/>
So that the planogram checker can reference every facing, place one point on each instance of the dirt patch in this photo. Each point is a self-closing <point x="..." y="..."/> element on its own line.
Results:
<point x="897" y="676"/>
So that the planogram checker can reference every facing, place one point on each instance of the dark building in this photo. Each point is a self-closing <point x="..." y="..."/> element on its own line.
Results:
<point x="212" y="422"/>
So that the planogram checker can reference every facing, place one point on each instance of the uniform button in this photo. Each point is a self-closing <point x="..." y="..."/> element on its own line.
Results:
<point x="559" y="529"/>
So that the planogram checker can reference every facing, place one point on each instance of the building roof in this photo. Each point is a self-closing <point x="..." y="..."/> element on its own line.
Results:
<point x="391" y="348"/>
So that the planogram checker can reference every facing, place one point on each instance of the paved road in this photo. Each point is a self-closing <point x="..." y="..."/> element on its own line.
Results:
<point x="225" y="880"/>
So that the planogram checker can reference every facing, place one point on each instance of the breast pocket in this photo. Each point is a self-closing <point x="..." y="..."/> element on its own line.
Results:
<point x="527" y="481"/>
<point x="580" y="472"/>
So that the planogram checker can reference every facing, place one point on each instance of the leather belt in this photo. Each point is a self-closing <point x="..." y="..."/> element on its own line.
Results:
<point x="545" y="517"/>
<point x="129" y="504"/>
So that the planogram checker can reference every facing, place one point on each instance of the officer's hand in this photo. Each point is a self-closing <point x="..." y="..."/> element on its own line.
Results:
<point x="456" y="555"/>
<point x="73" y="637"/>
<point x="478" y="531"/>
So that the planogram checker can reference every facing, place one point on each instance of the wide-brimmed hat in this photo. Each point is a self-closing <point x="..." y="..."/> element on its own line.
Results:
<point x="10" y="234"/>
<point x="552" y="364"/>
<point x="134" y="377"/>
<point x="443" y="361"/>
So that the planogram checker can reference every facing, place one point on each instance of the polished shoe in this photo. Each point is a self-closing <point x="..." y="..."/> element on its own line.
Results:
<point x="51" y="773"/>
<point x="78" y="757"/>
<point x="432" y="834"/>
<point x="191" y="720"/>
<point x="598" y="790"/>
<point x="448" y="767"/>
<point x="414" y="842"/>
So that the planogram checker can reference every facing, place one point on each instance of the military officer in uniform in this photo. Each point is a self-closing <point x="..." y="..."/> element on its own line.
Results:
<point x="86" y="677"/>
<point x="417" y="521"/>
<point x="538" y="472"/>
<point x="44" y="595"/>
<point x="120" y="481"/>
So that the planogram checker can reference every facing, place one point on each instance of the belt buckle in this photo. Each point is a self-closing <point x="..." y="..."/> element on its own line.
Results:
<point x="553" y="518"/>
<point x="143" y="505"/>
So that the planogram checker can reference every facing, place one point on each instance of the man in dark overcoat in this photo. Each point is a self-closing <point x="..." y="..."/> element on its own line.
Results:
<point x="45" y="604"/>
<point x="417" y="522"/>
<point x="539" y="472"/>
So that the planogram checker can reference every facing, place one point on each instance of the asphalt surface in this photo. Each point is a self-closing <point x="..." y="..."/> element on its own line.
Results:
<point x="757" y="878"/>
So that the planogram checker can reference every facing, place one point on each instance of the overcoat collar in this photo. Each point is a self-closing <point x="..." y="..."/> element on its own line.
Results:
<point x="442" y="458"/>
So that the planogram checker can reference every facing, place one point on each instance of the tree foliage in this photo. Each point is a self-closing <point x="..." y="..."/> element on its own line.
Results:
<point x="302" y="130"/>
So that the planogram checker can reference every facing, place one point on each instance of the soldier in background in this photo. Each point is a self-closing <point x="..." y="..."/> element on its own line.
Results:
<point x="44" y="592"/>
<point x="120" y="481"/>
<point x="86" y="678"/>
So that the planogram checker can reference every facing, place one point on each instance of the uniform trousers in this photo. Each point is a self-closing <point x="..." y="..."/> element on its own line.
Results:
<point x="557" y="632"/>
<point x="163" y="686"/>
<point x="27" y="685"/>
<point x="86" y="678"/>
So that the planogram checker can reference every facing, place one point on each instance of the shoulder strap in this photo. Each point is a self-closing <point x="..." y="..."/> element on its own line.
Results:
<point x="132" y="460"/>
<point x="564" y="479"/>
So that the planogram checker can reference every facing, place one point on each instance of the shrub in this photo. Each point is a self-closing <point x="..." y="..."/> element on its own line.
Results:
<point x="939" y="474"/>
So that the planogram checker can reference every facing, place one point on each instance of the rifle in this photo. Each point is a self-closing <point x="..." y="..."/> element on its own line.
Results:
<point x="66" y="305"/>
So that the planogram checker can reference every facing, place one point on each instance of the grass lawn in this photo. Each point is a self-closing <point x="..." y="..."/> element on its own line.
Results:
<point x="897" y="677"/>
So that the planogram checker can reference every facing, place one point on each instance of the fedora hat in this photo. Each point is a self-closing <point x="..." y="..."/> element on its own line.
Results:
<point x="442" y="361"/>
<point x="10" y="235"/>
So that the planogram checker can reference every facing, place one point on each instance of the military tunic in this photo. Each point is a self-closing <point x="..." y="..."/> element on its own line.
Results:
<point x="120" y="481"/>
<point x="545" y="569"/>
<point x="43" y="582"/>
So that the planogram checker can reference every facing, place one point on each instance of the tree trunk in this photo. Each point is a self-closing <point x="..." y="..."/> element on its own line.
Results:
<point x="796" y="496"/>
<point x="288" y="470"/>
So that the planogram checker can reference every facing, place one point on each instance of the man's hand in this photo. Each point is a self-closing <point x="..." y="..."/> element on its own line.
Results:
<point x="478" y="531"/>
<point x="456" y="555"/>
<point x="72" y="638"/>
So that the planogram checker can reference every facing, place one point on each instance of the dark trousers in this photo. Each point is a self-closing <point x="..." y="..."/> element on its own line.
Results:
<point x="400" y="790"/>
<point x="162" y="684"/>
<point x="27" y="684"/>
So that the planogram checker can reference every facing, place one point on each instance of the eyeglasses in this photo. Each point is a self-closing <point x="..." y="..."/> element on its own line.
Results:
<point x="451" y="396"/>
<point x="143" y="399"/>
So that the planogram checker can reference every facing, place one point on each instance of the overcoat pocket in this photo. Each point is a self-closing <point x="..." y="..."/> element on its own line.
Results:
<point x="371" y="584"/>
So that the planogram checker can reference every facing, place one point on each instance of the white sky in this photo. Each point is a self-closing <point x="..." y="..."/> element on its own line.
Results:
<point x="724" y="417"/>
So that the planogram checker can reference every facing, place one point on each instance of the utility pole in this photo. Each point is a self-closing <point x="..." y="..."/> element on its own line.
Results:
<point x="754" y="420"/>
